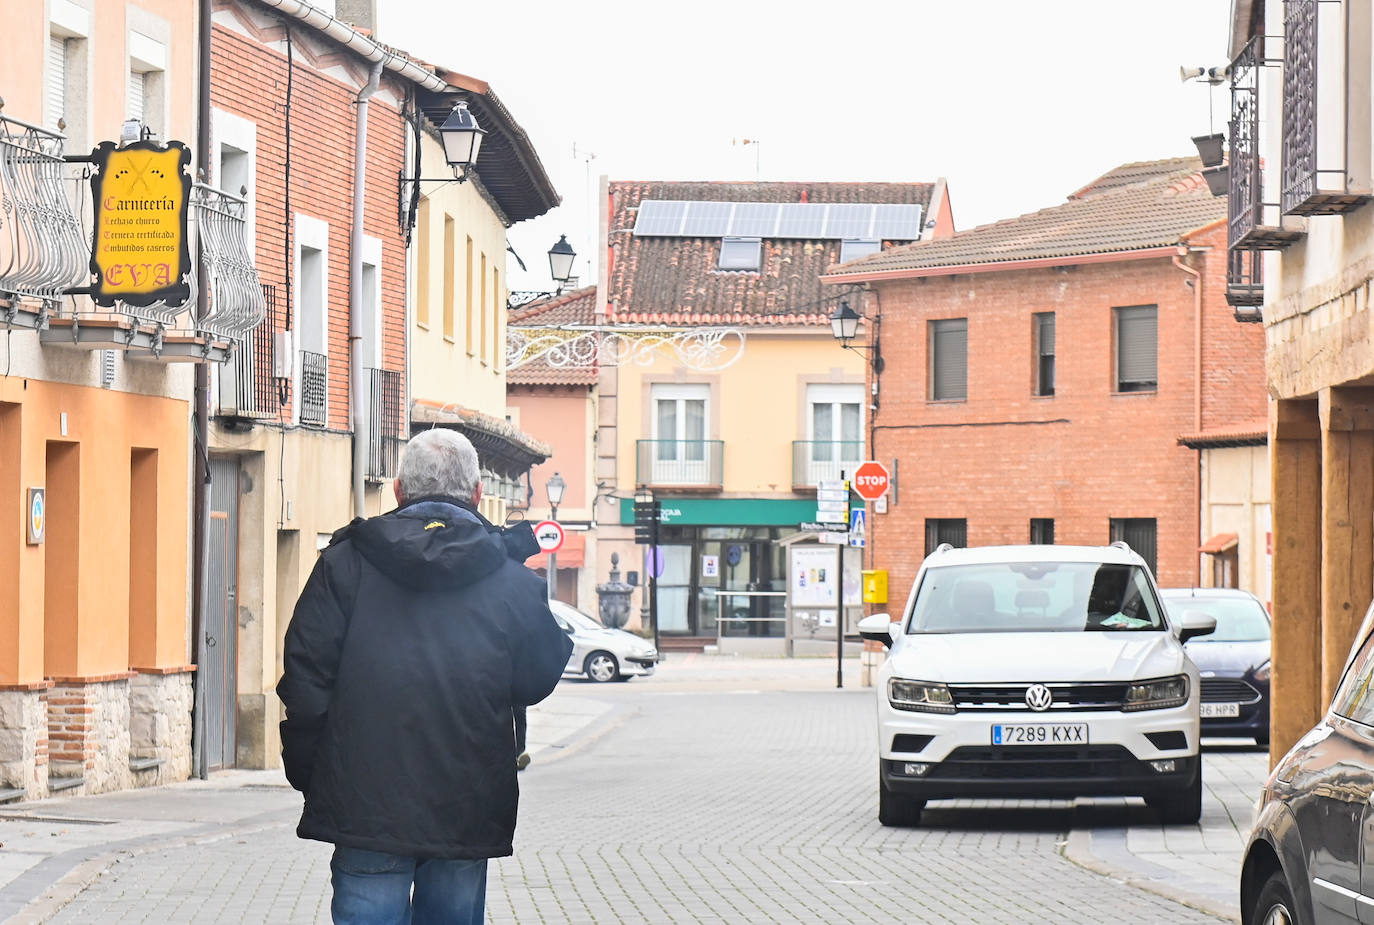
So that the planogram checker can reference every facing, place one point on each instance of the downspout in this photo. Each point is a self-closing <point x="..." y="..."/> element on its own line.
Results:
<point x="357" y="388"/>
<point x="1197" y="398"/>
<point x="200" y="488"/>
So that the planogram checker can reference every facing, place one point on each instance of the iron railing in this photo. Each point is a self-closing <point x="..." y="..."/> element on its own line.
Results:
<point x="314" y="392"/>
<point x="824" y="460"/>
<point x="1245" y="281"/>
<point x="43" y="251"/>
<point x="1251" y="222"/>
<point x="385" y="433"/>
<point x="684" y="463"/>
<point x="247" y="388"/>
<point x="232" y="302"/>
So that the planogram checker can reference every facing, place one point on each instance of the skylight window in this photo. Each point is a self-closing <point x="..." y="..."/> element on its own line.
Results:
<point x="741" y="253"/>
<point x="851" y="249"/>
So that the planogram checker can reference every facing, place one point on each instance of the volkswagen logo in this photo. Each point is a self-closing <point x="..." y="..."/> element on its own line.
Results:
<point x="1039" y="697"/>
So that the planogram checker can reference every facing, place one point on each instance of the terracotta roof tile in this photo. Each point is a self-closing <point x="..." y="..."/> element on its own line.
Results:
<point x="1244" y="433"/>
<point x="538" y="372"/>
<point x="1159" y="210"/>
<point x="676" y="280"/>
<point x="576" y="307"/>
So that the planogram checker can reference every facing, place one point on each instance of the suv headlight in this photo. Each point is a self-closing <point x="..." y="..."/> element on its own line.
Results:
<point x="1157" y="695"/>
<point x="919" y="696"/>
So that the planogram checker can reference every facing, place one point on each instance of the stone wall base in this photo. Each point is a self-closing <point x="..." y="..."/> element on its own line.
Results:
<point x="24" y="742"/>
<point x="160" y="727"/>
<point x="88" y="736"/>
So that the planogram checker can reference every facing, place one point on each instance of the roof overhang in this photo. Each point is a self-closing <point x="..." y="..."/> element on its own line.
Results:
<point x="500" y="446"/>
<point x="1222" y="542"/>
<point x="1000" y="266"/>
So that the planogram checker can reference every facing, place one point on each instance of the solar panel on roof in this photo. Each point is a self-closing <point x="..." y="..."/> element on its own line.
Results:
<point x="805" y="220"/>
<point x="660" y="217"/>
<point x="847" y="220"/>
<point x="707" y="219"/>
<point x="755" y="219"/>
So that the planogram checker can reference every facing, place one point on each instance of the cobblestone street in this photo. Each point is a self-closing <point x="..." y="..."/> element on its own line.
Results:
<point x="712" y="793"/>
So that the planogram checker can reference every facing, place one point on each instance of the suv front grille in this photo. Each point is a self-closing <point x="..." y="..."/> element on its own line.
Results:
<point x="1228" y="690"/>
<point x="1038" y="761"/>
<point x="1087" y="696"/>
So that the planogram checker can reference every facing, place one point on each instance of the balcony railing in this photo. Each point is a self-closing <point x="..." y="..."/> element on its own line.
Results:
<point x="385" y="433"/>
<point x="1245" y="282"/>
<point x="246" y="386"/>
<point x="1313" y="174"/>
<point x="816" y="461"/>
<point x="314" y="393"/>
<point x="680" y="463"/>
<point x="43" y="251"/>
<point x="1252" y="223"/>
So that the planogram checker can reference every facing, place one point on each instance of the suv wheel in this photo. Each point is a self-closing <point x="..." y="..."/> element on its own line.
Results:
<point x="1274" y="905"/>
<point x="896" y="809"/>
<point x="1182" y="807"/>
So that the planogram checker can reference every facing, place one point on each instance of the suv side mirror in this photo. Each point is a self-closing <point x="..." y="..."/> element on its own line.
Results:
<point x="1194" y="623"/>
<point x="878" y="627"/>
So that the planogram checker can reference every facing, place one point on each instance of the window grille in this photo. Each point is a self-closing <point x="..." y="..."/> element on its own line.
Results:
<point x="384" y="424"/>
<point x="314" y="388"/>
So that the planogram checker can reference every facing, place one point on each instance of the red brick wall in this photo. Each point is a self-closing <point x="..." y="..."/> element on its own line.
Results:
<point x="1084" y="455"/>
<point x="249" y="80"/>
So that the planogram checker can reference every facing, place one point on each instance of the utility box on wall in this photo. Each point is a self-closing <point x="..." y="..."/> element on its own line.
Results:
<point x="875" y="586"/>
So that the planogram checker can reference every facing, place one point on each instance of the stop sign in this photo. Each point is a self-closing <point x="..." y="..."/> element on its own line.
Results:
<point x="870" y="480"/>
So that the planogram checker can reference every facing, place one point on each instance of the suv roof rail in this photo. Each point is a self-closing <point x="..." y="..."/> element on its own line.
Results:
<point x="943" y="547"/>
<point x="1121" y="544"/>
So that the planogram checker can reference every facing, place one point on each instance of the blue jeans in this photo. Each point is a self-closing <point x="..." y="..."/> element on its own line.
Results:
<point x="374" y="888"/>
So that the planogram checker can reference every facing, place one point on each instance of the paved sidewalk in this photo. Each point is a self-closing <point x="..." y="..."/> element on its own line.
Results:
<point x="1198" y="865"/>
<point x="52" y="849"/>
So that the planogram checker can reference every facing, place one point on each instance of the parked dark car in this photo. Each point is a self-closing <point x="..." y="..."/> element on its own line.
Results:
<point x="1233" y="662"/>
<point x="1310" y="860"/>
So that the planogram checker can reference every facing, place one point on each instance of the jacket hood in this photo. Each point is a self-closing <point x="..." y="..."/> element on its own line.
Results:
<point x="430" y="544"/>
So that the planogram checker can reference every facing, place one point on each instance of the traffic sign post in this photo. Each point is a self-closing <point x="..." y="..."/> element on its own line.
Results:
<point x="549" y="535"/>
<point x="871" y="480"/>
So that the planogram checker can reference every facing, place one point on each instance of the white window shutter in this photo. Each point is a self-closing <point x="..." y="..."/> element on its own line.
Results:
<point x="55" y="91"/>
<point x="137" y="83"/>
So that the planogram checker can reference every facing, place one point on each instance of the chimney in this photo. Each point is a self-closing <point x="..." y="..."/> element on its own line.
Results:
<point x="360" y="13"/>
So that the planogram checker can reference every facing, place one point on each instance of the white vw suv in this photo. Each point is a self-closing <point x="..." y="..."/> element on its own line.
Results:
<point x="1036" y="671"/>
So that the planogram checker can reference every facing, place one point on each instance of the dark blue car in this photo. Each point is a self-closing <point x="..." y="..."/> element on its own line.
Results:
<point x="1233" y="662"/>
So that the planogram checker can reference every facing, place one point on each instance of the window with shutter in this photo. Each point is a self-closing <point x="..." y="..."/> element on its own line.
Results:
<point x="1139" y="533"/>
<point x="949" y="360"/>
<point x="1044" y="353"/>
<point x="1137" y="349"/>
<point x="953" y="531"/>
<point x="55" y="103"/>
<point x="138" y="83"/>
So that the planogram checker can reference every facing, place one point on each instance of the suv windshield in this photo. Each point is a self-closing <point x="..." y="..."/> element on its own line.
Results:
<point x="1035" y="597"/>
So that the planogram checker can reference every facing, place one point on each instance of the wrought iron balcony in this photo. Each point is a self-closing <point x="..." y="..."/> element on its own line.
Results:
<point x="314" y="394"/>
<point x="824" y="460"/>
<point x="1252" y="223"/>
<point x="1244" y="282"/>
<point x="1313" y="174"/>
<point x="385" y="430"/>
<point x="43" y="250"/>
<point x="680" y="463"/>
<point x="246" y="386"/>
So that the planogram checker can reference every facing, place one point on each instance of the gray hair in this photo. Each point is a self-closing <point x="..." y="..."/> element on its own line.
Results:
<point x="439" y="462"/>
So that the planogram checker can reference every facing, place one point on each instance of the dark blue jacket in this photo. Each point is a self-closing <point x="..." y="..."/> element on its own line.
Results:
<point x="416" y="634"/>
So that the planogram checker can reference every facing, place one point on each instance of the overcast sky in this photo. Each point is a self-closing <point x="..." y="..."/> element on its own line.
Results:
<point x="1017" y="103"/>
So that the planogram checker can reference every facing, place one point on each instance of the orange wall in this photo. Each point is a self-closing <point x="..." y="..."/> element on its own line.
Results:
<point x="90" y="634"/>
<point x="559" y="418"/>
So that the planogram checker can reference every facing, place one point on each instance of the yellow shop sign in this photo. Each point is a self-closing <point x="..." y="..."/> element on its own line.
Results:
<point x="140" y="253"/>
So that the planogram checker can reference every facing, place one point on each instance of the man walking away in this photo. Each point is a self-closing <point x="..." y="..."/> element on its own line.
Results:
<point x="414" y="639"/>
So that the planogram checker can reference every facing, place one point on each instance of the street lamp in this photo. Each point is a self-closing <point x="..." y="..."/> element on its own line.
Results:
<point x="462" y="138"/>
<point x="554" y="487"/>
<point x="844" y="324"/>
<point x="561" y="257"/>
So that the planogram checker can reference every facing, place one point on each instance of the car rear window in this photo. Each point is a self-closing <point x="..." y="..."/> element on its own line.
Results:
<point x="1238" y="619"/>
<point x="1035" y="597"/>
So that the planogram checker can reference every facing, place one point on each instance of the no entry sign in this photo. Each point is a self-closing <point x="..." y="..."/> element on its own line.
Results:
<point x="870" y="480"/>
<point x="549" y="535"/>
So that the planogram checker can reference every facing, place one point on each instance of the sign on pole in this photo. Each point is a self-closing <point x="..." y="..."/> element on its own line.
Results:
<point x="871" y="480"/>
<point x="140" y="253"/>
<point x="858" y="524"/>
<point x="549" y="535"/>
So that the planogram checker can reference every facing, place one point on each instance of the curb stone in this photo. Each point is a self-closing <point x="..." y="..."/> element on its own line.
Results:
<point x="1078" y="849"/>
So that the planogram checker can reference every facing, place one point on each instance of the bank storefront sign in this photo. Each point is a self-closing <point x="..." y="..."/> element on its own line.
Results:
<point x="732" y="512"/>
<point x="140" y="254"/>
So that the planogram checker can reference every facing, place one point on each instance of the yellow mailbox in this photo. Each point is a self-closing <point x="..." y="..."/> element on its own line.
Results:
<point x="875" y="586"/>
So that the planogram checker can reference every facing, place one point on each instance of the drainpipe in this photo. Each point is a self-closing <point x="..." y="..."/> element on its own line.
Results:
<point x="1197" y="395"/>
<point x="358" y="388"/>
<point x="200" y="468"/>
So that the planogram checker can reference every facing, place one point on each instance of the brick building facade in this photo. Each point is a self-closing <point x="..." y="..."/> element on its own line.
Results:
<point x="1010" y="407"/>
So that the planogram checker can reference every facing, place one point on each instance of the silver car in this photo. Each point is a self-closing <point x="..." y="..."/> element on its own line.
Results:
<point x="603" y="654"/>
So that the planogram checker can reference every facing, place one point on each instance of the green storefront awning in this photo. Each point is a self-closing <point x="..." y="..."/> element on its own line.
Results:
<point x="731" y="512"/>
